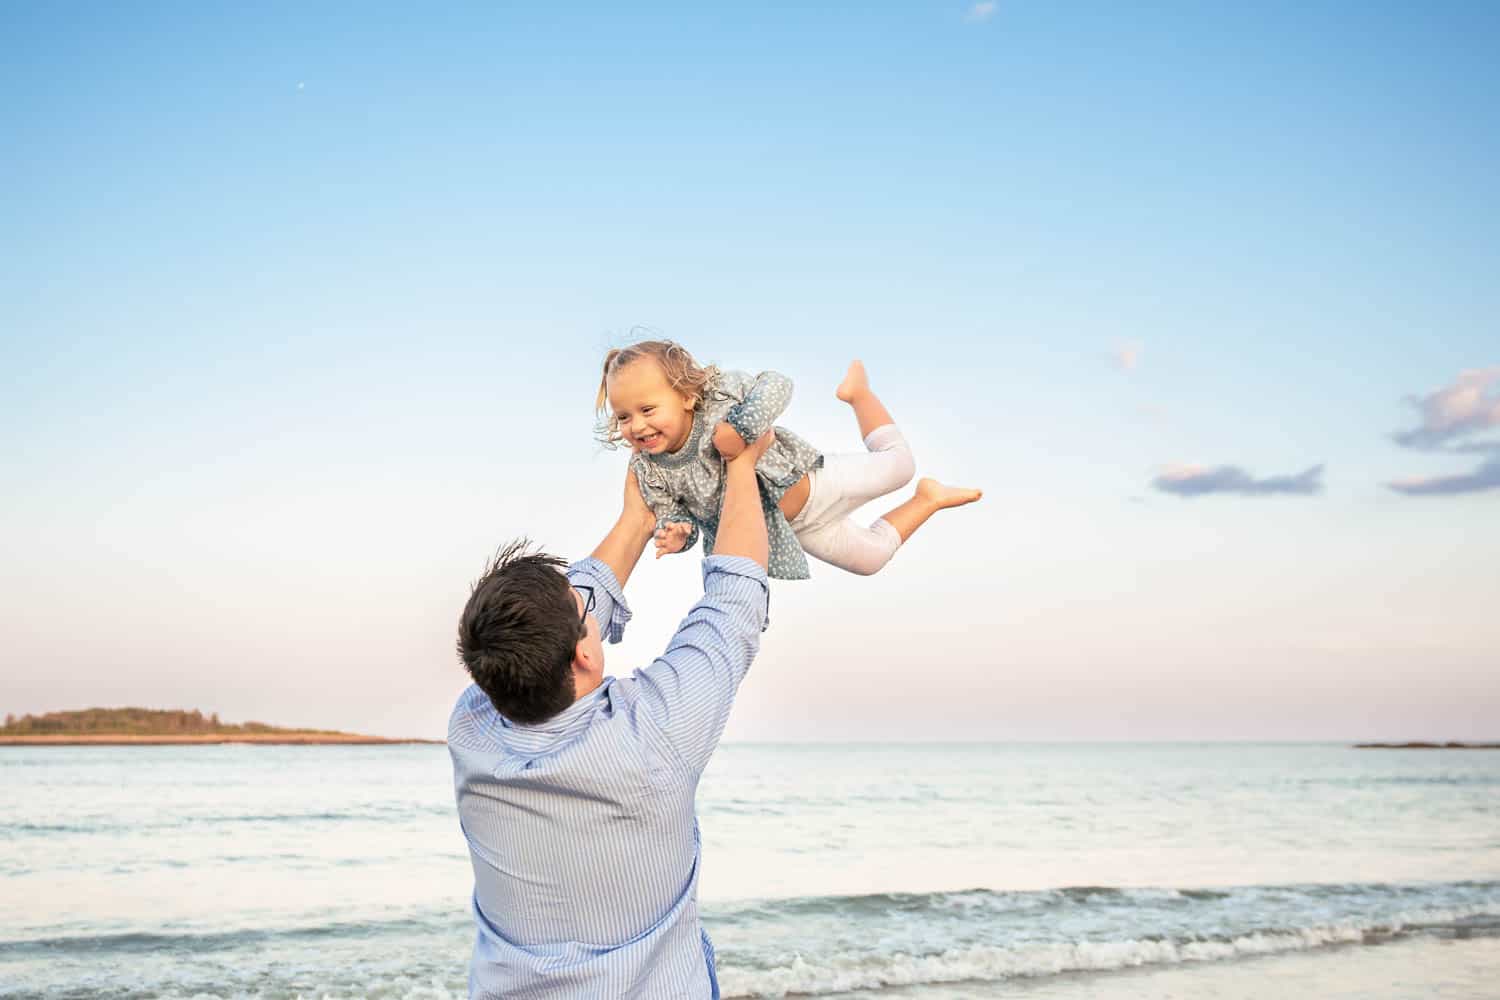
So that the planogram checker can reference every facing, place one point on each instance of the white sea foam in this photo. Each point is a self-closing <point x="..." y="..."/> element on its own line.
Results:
<point x="836" y="974"/>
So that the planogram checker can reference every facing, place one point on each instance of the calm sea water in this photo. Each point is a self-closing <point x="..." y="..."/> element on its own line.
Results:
<point x="851" y="870"/>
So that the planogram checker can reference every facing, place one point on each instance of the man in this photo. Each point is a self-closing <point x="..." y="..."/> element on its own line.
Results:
<point x="576" y="790"/>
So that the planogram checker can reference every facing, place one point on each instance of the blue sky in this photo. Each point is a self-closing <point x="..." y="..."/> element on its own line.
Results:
<point x="302" y="309"/>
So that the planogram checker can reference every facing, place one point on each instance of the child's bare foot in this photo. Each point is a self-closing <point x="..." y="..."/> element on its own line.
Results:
<point x="931" y="496"/>
<point x="855" y="383"/>
<point x="942" y="496"/>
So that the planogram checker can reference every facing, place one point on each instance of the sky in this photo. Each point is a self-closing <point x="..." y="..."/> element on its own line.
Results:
<point x="302" y="310"/>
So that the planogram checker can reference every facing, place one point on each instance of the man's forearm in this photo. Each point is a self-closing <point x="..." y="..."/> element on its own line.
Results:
<point x="622" y="547"/>
<point x="742" y="522"/>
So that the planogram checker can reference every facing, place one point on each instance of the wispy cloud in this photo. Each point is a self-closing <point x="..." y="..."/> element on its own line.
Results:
<point x="1198" y="480"/>
<point x="1452" y="417"/>
<point x="1127" y="356"/>
<point x="1470" y="405"/>
<point x="1486" y="477"/>
<point x="981" y="11"/>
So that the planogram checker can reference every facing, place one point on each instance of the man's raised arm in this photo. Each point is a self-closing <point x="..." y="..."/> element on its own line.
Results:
<point x="621" y="549"/>
<point x="618" y="553"/>
<point x="691" y="686"/>
<point x="742" y="522"/>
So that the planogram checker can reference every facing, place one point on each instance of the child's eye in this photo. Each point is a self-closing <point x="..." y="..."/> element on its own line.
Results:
<point x="647" y="409"/>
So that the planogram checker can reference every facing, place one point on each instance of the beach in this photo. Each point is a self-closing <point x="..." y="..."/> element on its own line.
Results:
<point x="1123" y="871"/>
<point x="1456" y="969"/>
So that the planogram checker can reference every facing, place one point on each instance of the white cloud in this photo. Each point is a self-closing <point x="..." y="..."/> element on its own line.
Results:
<point x="1455" y="419"/>
<point x="1127" y="356"/>
<point x="1198" y="480"/>
<point x="982" y="11"/>
<point x="1468" y="406"/>
<point x="1485" y="477"/>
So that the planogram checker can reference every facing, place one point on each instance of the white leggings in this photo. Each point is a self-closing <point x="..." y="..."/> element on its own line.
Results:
<point x="845" y="482"/>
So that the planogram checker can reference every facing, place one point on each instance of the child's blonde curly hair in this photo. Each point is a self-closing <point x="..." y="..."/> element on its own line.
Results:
<point x="685" y="375"/>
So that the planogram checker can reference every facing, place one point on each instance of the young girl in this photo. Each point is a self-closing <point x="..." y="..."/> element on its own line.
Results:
<point x="679" y="419"/>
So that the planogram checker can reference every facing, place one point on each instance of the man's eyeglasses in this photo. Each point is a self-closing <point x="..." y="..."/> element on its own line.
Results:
<point x="587" y="593"/>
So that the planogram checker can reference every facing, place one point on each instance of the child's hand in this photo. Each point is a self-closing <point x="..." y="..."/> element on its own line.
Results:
<point x="671" y="537"/>
<point x="728" y="440"/>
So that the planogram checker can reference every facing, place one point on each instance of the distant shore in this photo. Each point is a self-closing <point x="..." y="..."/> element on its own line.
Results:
<point x="264" y="739"/>
<point x="1427" y="746"/>
<point x="138" y="727"/>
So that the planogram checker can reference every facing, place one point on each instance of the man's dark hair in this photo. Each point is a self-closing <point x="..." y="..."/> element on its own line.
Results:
<point x="517" y="634"/>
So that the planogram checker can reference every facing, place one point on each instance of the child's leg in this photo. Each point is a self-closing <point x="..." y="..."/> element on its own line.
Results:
<point x="931" y="497"/>
<point x="855" y="390"/>
<point x="845" y="544"/>
<point x="887" y="465"/>
<point x="846" y="482"/>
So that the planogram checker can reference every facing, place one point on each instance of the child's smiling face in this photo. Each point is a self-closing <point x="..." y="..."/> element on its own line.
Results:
<point x="650" y="413"/>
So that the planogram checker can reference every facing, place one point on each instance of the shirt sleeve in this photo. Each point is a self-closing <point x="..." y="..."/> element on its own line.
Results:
<point x="610" y="609"/>
<point x="764" y="401"/>
<point x="690" y="688"/>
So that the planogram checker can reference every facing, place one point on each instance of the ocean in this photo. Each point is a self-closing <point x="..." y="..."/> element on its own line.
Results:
<point x="1125" y="871"/>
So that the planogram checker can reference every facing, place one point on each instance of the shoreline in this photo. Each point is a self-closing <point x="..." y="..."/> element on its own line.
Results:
<point x="1427" y="746"/>
<point x="1388" y="970"/>
<point x="206" y="739"/>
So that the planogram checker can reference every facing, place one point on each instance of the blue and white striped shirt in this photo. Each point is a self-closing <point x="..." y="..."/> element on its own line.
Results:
<point x="582" y="830"/>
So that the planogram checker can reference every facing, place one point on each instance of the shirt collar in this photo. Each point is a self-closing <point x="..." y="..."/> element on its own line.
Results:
<point x="562" y="728"/>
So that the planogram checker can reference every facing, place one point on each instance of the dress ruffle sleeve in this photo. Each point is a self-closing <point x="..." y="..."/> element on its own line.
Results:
<point x="763" y="400"/>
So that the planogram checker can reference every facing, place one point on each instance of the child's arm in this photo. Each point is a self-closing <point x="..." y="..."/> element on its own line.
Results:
<point x="675" y="531"/>
<point x="766" y="398"/>
<point x="670" y="515"/>
<point x="675" y="536"/>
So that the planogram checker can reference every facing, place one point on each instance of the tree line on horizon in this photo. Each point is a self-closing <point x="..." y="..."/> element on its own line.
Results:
<point x="131" y="721"/>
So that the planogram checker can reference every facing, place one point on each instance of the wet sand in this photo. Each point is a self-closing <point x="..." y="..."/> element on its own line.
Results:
<point x="1446" y="968"/>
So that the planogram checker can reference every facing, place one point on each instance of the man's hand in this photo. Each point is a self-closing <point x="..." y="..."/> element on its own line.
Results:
<point x="728" y="440"/>
<point x="750" y="453"/>
<point x="671" y="537"/>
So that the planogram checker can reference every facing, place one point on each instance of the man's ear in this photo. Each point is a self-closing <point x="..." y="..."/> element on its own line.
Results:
<point x="583" y="658"/>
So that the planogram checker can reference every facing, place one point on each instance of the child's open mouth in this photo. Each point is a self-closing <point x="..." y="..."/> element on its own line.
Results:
<point x="649" y="439"/>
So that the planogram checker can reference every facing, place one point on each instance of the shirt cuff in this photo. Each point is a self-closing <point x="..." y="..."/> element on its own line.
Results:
<point x="598" y="574"/>
<point x="719" y="571"/>
<point x="736" y="418"/>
